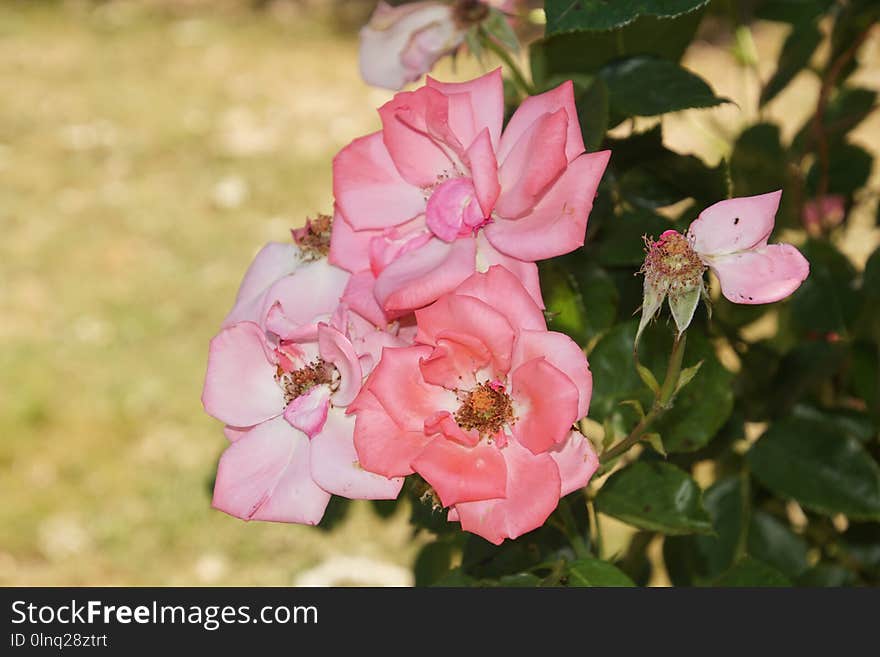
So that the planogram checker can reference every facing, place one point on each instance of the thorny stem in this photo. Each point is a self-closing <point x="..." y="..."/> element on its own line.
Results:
<point x="661" y="404"/>
<point x="512" y="66"/>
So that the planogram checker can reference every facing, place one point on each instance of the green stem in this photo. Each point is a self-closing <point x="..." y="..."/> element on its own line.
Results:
<point x="518" y="77"/>
<point x="662" y="402"/>
<point x="597" y="529"/>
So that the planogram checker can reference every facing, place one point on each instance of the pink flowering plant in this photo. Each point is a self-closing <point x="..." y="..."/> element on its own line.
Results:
<point x="525" y="316"/>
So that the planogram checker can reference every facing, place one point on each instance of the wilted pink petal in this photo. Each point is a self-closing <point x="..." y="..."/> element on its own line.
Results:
<point x="734" y="225"/>
<point x="761" y="275"/>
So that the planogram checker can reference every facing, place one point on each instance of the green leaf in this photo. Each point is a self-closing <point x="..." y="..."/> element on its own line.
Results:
<point x="687" y="375"/>
<point x="644" y="189"/>
<point x="656" y="443"/>
<point x="622" y="239"/>
<point x="648" y="86"/>
<point x="519" y="580"/>
<point x="587" y="52"/>
<point x="595" y="15"/>
<point x="819" y="467"/>
<point x="594" y="572"/>
<point x="655" y="496"/>
<point x="827" y="575"/>
<point x="797" y="50"/>
<point x="432" y="563"/>
<point x="699" y="410"/>
<point x="580" y="297"/>
<point x="698" y="559"/>
<point x="776" y="544"/>
<point x="757" y="164"/>
<point x="826" y="302"/>
<point x="592" y="106"/>
<point x="848" y="422"/>
<point x="457" y="578"/>
<point x="647" y="376"/>
<point x="750" y="572"/>
<point x="791" y="11"/>
<point x="849" y="167"/>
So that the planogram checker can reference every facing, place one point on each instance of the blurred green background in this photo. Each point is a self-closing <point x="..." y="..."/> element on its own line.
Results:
<point x="147" y="151"/>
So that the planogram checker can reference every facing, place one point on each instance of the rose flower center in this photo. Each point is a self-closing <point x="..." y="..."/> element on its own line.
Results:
<point x="671" y="258"/>
<point x="486" y="408"/>
<point x="298" y="382"/>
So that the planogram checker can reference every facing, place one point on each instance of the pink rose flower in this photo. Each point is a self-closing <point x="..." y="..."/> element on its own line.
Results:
<point x="440" y="192"/>
<point x="482" y="407"/>
<point x="281" y="372"/>
<point x="731" y="239"/>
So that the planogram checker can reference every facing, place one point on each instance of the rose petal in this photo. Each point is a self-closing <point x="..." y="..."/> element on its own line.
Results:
<point x="240" y="388"/>
<point x="563" y="353"/>
<point x="421" y="276"/>
<point x="485" y="96"/>
<point x="531" y="495"/>
<point x="265" y="476"/>
<point x="308" y="412"/>
<point x="535" y="162"/>
<point x="273" y="262"/>
<point x="734" y="225"/>
<point x="349" y="248"/>
<point x="558" y="223"/>
<point x="368" y="188"/>
<point x="533" y="108"/>
<point x="462" y="474"/>
<point x="335" y="466"/>
<point x="761" y="275"/>
<point x="484" y="171"/>
<point x="576" y="460"/>
<point x="545" y="402"/>
<point x="382" y="445"/>
<point x="500" y="284"/>
<point x="335" y="348"/>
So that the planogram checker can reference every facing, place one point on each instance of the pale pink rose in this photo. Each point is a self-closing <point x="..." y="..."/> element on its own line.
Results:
<point x="280" y="374"/>
<point x="825" y="212"/>
<point x="482" y="407"/>
<point x="440" y="193"/>
<point x="730" y="237"/>
<point x="400" y="44"/>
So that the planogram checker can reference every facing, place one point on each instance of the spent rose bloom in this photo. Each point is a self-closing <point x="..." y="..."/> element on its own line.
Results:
<point x="482" y="407"/>
<point x="400" y="44"/>
<point x="730" y="238"/>
<point x="282" y="370"/>
<point x="440" y="192"/>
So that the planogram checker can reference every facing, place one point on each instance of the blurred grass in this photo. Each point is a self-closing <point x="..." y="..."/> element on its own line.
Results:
<point x="147" y="151"/>
<point x="145" y="157"/>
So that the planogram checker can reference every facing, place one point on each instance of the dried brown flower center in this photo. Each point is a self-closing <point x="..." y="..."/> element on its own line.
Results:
<point x="486" y="408"/>
<point x="298" y="382"/>
<point x="671" y="258"/>
<point x="313" y="239"/>
<point x="469" y="12"/>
